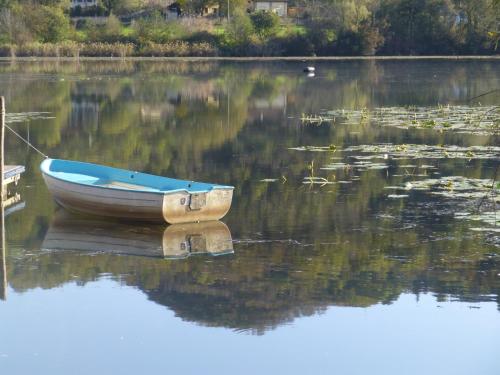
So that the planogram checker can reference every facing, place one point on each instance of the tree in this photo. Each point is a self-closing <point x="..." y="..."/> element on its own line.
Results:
<point x="265" y="23"/>
<point x="112" y="29"/>
<point x="418" y="26"/>
<point x="49" y="24"/>
<point x="239" y="32"/>
<point x="477" y="23"/>
<point x="235" y="6"/>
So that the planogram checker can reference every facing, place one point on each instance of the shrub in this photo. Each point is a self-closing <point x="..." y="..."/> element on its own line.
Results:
<point x="295" y="45"/>
<point x="155" y="29"/>
<point x="8" y="50"/>
<point x="239" y="38"/>
<point x="265" y="23"/>
<point x="49" y="24"/>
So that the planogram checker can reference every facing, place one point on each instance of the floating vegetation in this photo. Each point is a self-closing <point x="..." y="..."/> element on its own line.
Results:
<point x="315" y="119"/>
<point x="317" y="181"/>
<point x="455" y="187"/>
<point x="330" y="148"/>
<point x="488" y="217"/>
<point x="491" y="218"/>
<point x="11" y="118"/>
<point x="461" y="118"/>
<point x="397" y="196"/>
<point x="359" y="166"/>
<point x="410" y="151"/>
<point x="413" y="151"/>
<point x="269" y="180"/>
<point x="468" y="194"/>
<point x="336" y="166"/>
<point x="366" y="165"/>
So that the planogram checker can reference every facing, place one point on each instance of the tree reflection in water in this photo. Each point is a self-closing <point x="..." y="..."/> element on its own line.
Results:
<point x="297" y="249"/>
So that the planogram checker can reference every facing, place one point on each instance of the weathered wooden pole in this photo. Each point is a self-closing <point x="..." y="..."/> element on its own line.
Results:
<point x="2" y="141"/>
<point x="3" y="278"/>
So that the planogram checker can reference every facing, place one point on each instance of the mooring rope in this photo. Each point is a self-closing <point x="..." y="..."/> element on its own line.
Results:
<point x="26" y="141"/>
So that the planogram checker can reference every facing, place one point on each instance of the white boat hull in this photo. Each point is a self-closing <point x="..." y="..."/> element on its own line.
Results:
<point x="175" y="207"/>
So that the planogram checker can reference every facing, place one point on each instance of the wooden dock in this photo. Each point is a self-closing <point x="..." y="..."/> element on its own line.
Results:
<point x="12" y="174"/>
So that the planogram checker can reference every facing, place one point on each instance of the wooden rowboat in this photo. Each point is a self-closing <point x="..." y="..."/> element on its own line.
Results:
<point x="105" y="191"/>
<point x="87" y="235"/>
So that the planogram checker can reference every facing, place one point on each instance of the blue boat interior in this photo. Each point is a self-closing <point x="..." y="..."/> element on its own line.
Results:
<point x="121" y="179"/>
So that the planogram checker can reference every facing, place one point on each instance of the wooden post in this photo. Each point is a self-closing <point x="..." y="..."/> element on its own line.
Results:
<point x="2" y="141"/>
<point x="3" y="254"/>
<point x="3" y="278"/>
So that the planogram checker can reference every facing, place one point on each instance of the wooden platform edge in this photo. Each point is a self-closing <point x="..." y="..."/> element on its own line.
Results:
<point x="12" y="173"/>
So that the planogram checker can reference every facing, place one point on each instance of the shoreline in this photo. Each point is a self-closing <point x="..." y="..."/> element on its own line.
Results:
<point x="256" y="59"/>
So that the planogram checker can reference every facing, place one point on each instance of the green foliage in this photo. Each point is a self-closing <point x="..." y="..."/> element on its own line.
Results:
<point x="265" y="23"/>
<point x="155" y="29"/>
<point x="112" y="30"/>
<point x="418" y="27"/>
<point x="49" y="24"/>
<point x="239" y="34"/>
<point x="328" y="27"/>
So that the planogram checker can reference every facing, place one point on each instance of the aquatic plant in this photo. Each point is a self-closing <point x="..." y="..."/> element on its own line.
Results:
<point x="459" y="118"/>
<point x="11" y="118"/>
<point x="315" y="119"/>
<point x="414" y="151"/>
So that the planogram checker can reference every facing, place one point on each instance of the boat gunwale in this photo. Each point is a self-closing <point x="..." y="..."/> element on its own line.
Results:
<point x="47" y="172"/>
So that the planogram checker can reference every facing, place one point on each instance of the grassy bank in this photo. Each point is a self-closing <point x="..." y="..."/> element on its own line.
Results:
<point x="323" y="28"/>
<point x="173" y="50"/>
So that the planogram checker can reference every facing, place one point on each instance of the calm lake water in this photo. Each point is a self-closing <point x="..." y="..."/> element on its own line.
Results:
<point x="336" y="260"/>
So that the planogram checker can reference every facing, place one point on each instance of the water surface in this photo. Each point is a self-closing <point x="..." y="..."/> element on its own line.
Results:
<point x="339" y="275"/>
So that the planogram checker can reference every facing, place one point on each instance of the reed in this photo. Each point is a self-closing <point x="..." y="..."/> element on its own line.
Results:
<point x="178" y="48"/>
<point x="99" y="49"/>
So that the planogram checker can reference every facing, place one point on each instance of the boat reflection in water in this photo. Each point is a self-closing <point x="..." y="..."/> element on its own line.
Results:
<point x="71" y="232"/>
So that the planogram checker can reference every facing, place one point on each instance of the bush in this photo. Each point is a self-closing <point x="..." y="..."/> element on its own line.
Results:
<point x="363" y="42"/>
<point x="154" y="29"/>
<point x="265" y="23"/>
<point x="7" y="50"/>
<point x="49" y="24"/>
<point x="295" y="45"/>
<point x="112" y="29"/>
<point x="239" y="38"/>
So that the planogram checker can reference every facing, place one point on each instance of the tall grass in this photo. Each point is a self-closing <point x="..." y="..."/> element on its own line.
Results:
<point x="101" y="49"/>
<point x="178" y="48"/>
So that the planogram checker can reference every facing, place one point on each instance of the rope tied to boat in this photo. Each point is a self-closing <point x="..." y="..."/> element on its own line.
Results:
<point x="26" y="141"/>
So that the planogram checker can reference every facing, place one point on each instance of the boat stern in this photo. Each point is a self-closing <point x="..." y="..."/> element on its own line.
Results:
<point x="184" y="206"/>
